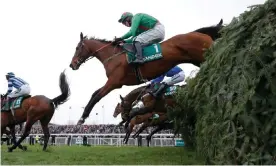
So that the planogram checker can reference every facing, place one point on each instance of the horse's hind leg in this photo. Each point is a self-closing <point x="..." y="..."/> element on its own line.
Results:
<point x="44" y="124"/>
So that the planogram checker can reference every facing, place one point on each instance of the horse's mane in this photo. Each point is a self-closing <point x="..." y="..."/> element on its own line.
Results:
<point x="137" y="90"/>
<point x="103" y="40"/>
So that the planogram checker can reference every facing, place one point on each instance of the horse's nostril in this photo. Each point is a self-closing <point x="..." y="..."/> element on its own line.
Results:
<point x="70" y="65"/>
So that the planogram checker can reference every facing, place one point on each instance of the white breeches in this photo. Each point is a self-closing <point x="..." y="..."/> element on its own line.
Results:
<point x="175" y="79"/>
<point x="23" y="90"/>
<point x="154" y="35"/>
<point x="139" y="105"/>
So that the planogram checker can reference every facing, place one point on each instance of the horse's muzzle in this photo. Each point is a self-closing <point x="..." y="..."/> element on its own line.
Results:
<point x="72" y="67"/>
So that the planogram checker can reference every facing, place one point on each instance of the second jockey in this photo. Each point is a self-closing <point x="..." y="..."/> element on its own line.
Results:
<point x="144" y="30"/>
<point x="21" y="86"/>
<point x="176" y="75"/>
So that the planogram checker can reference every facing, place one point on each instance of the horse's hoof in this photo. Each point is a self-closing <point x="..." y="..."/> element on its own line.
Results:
<point x="80" y="122"/>
<point x="24" y="148"/>
<point x="10" y="149"/>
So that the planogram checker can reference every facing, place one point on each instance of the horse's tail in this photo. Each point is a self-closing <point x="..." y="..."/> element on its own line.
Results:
<point x="65" y="91"/>
<point x="212" y="31"/>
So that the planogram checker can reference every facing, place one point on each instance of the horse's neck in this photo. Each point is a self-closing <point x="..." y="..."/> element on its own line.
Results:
<point x="132" y="96"/>
<point x="103" y="50"/>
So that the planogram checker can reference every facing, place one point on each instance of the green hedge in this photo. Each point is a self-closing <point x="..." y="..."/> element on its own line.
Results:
<point x="228" y="111"/>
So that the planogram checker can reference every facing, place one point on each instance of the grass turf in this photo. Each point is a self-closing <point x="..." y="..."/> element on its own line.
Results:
<point x="127" y="155"/>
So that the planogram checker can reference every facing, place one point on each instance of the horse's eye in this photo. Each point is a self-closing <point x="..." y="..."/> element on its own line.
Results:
<point x="76" y="48"/>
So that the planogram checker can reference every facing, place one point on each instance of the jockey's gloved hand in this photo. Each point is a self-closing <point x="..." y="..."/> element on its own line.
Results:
<point x="117" y="40"/>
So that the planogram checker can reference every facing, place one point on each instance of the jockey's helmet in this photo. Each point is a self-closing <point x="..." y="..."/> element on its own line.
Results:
<point x="124" y="16"/>
<point x="10" y="74"/>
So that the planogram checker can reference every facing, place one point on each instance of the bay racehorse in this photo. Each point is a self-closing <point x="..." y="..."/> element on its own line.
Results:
<point x="182" y="48"/>
<point x="34" y="108"/>
<point x="125" y="106"/>
<point x="148" y="103"/>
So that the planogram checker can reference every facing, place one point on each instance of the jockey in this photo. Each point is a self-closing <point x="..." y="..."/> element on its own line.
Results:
<point x="22" y="86"/>
<point x="176" y="75"/>
<point x="145" y="30"/>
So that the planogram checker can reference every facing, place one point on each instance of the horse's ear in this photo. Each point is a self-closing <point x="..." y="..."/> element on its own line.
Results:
<point x="121" y="98"/>
<point x="81" y="36"/>
<point x="220" y="22"/>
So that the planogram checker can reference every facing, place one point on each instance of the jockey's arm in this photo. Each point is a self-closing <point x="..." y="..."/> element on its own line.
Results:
<point x="127" y="35"/>
<point x="10" y="86"/>
<point x="134" y="26"/>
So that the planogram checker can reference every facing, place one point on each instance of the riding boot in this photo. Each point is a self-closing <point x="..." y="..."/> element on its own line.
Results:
<point x="7" y="103"/>
<point x="162" y="87"/>
<point x="139" y="53"/>
<point x="12" y="112"/>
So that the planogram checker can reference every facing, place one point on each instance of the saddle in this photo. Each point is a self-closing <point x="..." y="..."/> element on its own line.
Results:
<point x="13" y="103"/>
<point x="149" y="53"/>
<point x="168" y="91"/>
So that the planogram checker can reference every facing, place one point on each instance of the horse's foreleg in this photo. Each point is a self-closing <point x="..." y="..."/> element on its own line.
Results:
<point x="141" y="129"/>
<point x="159" y="128"/>
<point x="141" y="111"/>
<point x="122" y="122"/>
<point x="96" y="97"/>
<point x="129" y="131"/>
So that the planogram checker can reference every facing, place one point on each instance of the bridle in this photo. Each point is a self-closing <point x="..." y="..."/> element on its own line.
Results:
<point x="90" y="55"/>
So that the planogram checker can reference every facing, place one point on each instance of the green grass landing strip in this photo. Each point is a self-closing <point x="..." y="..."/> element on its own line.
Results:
<point x="111" y="155"/>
